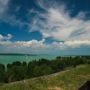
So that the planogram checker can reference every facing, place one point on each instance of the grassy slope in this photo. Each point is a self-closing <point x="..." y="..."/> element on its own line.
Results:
<point x="67" y="80"/>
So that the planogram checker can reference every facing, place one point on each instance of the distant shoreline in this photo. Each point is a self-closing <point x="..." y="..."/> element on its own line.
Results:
<point x="18" y="54"/>
<point x="22" y="54"/>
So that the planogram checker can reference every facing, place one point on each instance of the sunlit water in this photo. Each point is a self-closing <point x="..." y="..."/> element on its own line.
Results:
<point x="5" y="59"/>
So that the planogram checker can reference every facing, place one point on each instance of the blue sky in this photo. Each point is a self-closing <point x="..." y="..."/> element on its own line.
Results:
<point x="60" y="27"/>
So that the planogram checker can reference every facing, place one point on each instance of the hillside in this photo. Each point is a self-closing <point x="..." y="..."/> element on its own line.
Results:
<point x="66" y="80"/>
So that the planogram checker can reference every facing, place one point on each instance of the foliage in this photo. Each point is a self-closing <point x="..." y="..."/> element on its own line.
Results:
<point x="21" y="70"/>
<point x="66" y="80"/>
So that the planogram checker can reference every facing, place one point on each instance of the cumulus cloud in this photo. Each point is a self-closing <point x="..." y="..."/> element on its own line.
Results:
<point x="69" y="44"/>
<point x="32" y="43"/>
<point x="41" y="45"/>
<point x="9" y="36"/>
<point x="77" y="43"/>
<point x="5" y="38"/>
<point x="6" y="43"/>
<point x="1" y="37"/>
<point x="58" y="24"/>
<point x="38" y="46"/>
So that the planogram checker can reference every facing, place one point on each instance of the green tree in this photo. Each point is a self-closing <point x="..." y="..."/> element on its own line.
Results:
<point x="2" y="73"/>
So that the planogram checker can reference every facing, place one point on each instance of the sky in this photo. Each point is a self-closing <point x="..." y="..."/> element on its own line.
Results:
<point x="55" y="27"/>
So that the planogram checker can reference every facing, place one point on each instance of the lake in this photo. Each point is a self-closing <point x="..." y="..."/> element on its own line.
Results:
<point x="5" y="59"/>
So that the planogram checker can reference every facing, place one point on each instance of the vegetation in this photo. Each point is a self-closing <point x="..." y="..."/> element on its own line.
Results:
<point x="66" y="80"/>
<point x="19" y="71"/>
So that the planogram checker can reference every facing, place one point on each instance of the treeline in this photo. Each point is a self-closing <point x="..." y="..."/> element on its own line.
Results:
<point x="21" y="70"/>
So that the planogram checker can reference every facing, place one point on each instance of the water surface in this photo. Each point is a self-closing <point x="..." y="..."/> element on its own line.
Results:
<point x="5" y="59"/>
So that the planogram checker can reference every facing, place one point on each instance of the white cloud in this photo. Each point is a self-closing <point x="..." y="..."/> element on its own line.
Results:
<point x="1" y="37"/>
<point x="38" y="46"/>
<point x="41" y="45"/>
<point x="5" y="38"/>
<point x="9" y="36"/>
<point x="59" y="25"/>
<point x="32" y="44"/>
<point x="5" y="43"/>
<point x="77" y="43"/>
<point x="70" y="44"/>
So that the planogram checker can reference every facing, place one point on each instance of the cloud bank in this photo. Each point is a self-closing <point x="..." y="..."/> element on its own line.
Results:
<point x="6" y="41"/>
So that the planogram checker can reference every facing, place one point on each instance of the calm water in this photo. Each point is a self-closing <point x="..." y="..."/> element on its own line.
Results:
<point x="5" y="59"/>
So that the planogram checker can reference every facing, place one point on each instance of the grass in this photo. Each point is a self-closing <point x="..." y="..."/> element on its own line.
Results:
<point x="66" y="80"/>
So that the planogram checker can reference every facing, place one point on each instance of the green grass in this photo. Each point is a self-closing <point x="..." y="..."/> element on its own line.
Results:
<point x="67" y="80"/>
